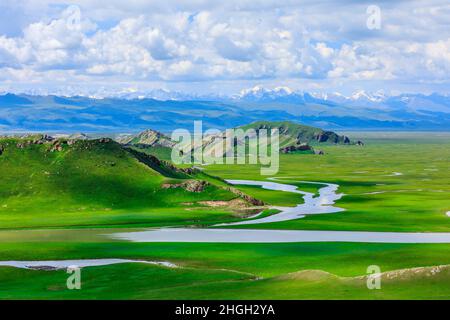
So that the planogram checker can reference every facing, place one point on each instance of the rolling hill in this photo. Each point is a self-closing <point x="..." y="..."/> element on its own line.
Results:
<point x="294" y="134"/>
<point x="294" y="138"/>
<point x="63" y="182"/>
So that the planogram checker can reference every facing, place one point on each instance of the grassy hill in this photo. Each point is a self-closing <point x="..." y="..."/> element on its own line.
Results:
<point x="86" y="182"/>
<point x="292" y="133"/>
<point x="150" y="142"/>
<point x="293" y="137"/>
<point x="150" y="138"/>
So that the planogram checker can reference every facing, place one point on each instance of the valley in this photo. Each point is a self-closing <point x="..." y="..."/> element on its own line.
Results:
<point x="71" y="205"/>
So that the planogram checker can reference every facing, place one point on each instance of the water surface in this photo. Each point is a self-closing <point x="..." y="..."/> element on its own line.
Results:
<point x="274" y="236"/>
<point x="64" y="264"/>
<point x="321" y="204"/>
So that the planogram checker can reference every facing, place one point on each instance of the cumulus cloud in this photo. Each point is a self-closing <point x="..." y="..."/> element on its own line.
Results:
<point x="233" y="41"/>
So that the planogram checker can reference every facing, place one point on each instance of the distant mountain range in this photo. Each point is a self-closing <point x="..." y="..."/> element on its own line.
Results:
<point x="362" y="99"/>
<point x="134" y="112"/>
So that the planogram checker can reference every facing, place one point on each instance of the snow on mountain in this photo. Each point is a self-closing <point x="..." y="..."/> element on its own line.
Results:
<point x="362" y="95"/>
<point x="362" y="110"/>
<point x="284" y="94"/>
<point x="258" y="92"/>
<point x="360" y="99"/>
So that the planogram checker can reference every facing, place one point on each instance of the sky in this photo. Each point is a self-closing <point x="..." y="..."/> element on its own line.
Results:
<point x="222" y="47"/>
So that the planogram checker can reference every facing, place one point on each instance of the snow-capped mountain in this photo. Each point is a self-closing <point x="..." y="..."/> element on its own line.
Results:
<point x="362" y="99"/>
<point x="278" y="94"/>
<point x="362" y="95"/>
<point x="261" y="94"/>
<point x="410" y="109"/>
<point x="164" y="110"/>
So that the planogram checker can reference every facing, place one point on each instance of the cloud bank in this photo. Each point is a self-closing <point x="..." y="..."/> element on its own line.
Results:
<point x="206" y="44"/>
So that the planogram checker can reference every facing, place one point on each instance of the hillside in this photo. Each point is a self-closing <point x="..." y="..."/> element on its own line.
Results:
<point x="293" y="138"/>
<point x="294" y="134"/>
<point x="147" y="138"/>
<point x="59" y="182"/>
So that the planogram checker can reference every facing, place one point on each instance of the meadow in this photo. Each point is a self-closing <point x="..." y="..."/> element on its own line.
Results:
<point x="396" y="182"/>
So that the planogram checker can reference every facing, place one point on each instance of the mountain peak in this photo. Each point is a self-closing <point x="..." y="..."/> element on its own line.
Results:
<point x="376" y="96"/>
<point x="147" y="137"/>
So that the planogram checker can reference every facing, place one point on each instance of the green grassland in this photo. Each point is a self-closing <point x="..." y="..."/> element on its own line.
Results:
<point x="105" y="186"/>
<point x="243" y="270"/>
<point x="131" y="281"/>
<point x="163" y="153"/>
<point x="375" y="199"/>
<point x="92" y="183"/>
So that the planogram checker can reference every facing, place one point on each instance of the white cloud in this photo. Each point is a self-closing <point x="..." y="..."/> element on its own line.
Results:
<point x="233" y="41"/>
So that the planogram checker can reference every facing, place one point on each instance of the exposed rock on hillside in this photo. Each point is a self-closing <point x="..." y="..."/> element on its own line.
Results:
<point x="189" y="185"/>
<point x="57" y="146"/>
<point x="163" y="167"/>
<point x="239" y="206"/>
<point x="301" y="147"/>
<point x="329" y="136"/>
<point x="105" y="140"/>
<point x="246" y="197"/>
<point x="292" y="133"/>
<point x="29" y="140"/>
<point x="412" y="273"/>
<point x="147" y="138"/>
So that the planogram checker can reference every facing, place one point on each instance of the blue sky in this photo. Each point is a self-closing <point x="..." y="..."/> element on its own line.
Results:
<point x="86" y="47"/>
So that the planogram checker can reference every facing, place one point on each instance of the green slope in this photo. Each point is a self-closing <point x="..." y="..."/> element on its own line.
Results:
<point x="293" y="133"/>
<point x="86" y="182"/>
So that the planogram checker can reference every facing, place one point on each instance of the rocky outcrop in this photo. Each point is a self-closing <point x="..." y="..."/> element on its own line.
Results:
<point x="57" y="146"/>
<point x="331" y="137"/>
<point x="189" y="185"/>
<point x="105" y="140"/>
<point x="238" y="206"/>
<point x="412" y="273"/>
<point x="33" y="139"/>
<point x="147" y="138"/>
<point x="300" y="147"/>
<point x="322" y="137"/>
<point x="246" y="197"/>
<point x="164" y="167"/>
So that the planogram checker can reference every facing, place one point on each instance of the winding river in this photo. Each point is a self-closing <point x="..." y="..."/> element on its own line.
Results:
<point x="312" y="205"/>
<point x="322" y="204"/>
